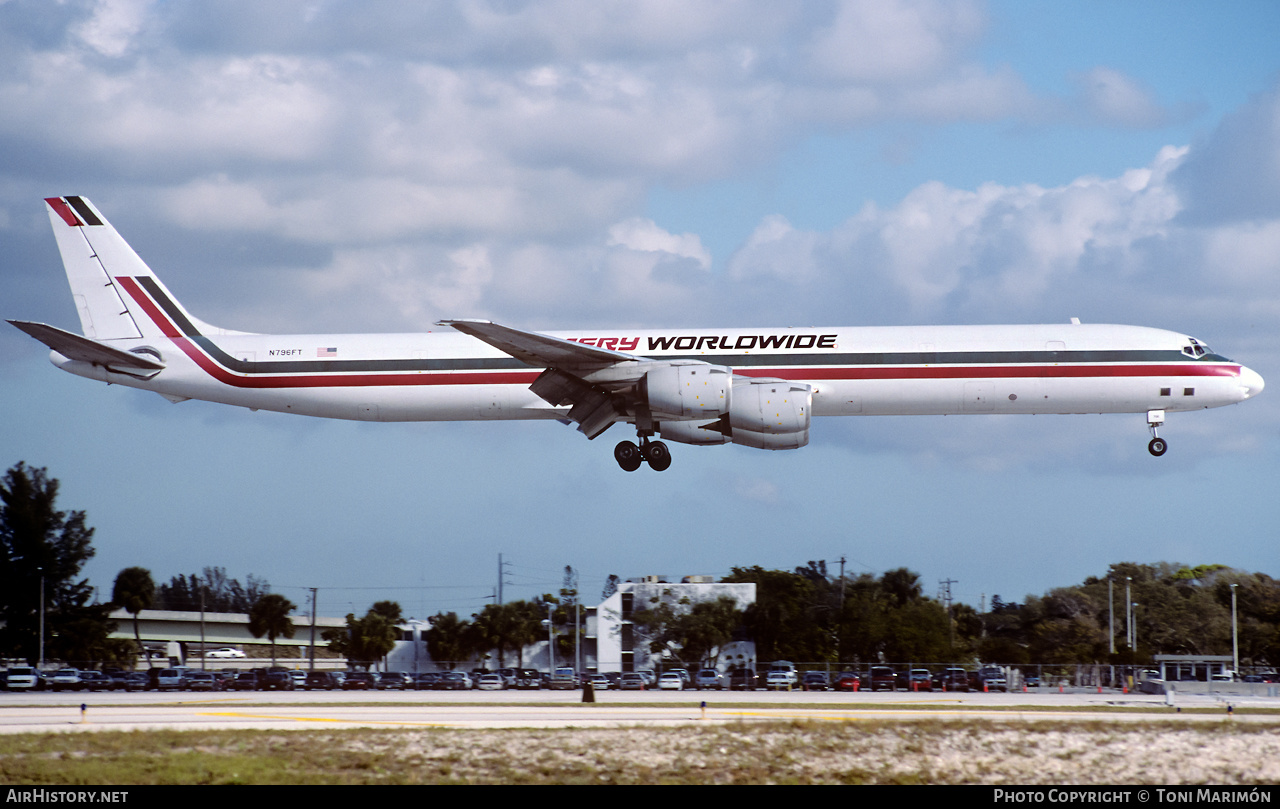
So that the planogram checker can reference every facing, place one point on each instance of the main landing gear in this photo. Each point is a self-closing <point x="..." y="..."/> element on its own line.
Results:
<point x="1158" y="445"/>
<point x="629" y="456"/>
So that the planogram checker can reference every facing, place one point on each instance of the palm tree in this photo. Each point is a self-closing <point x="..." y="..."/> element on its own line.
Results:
<point x="134" y="591"/>
<point x="269" y="616"/>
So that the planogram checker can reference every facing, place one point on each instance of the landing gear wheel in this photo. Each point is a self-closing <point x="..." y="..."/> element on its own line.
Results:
<point x="628" y="456"/>
<point x="1157" y="446"/>
<point x="658" y="456"/>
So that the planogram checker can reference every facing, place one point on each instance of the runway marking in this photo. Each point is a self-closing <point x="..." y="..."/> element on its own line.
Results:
<point x="277" y="718"/>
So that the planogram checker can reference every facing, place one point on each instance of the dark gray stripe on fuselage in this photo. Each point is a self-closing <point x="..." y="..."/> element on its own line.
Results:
<point x="819" y="360"/>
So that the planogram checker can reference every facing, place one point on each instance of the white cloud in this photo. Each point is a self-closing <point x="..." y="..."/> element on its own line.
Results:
<point x="113" y="25"/>
<point x="891" y="41"/>
<point x="1113" y="97"/>
<point x="644" y="235"/>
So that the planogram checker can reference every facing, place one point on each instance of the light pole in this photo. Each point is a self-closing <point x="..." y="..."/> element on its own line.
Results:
<point x="551" y="644"/>
<point x="40" y="664"/>
<point x="1235" y="638"/>
<point x="1128" y="613"/>
<point x="1111" y="613"/>
<point x="1134" y="613"/>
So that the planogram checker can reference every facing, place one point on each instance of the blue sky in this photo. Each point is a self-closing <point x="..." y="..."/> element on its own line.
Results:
<point x="331" y="167"/>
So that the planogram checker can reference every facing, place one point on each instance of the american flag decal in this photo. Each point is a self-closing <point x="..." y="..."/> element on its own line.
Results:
<point x="326" y="352"/>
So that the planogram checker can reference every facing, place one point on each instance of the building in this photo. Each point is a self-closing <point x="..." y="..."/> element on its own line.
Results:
<point x="617" y="644"/>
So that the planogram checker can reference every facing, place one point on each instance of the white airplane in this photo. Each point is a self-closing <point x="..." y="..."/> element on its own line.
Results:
<point x="757" y="387"/>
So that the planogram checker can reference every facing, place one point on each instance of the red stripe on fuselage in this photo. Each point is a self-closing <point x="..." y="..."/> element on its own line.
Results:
<point x="853" y="372"/>
<point x="798" y="374"/>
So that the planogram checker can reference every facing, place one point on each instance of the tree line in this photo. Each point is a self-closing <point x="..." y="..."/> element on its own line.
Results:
<point x="805" y="614"/>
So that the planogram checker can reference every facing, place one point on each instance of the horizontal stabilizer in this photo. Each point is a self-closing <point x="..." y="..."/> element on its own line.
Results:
<point x="83" y="349"/>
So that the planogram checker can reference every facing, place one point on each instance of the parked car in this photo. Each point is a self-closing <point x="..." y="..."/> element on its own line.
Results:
<point x="245" y="681"/>
<point x="920" y="680"/>
<point x="277" y="681"/>
<point x="953" y="679"/>
<point x="320" y="681"/>
<point x="491" y="682"/>
<point x="66" y="680"/>
<point x="883" y="678"/>
<point x="426" y="680"/>
<point x="991" y="678"/>
<point x="453" y="681"/>
<point x="599" y="682"/>
<point x="168" y="680"/>
<point x="24" y="678"/>
<point x="359" y="681"/>
<point x="393" y="681"/>
<point x="848" y="681"/>
<point x="815" y="681"/>
<point x="742" y="680"/>
<point x="136" y="681"/>
<point x="95" y="681"/>
<point x="564" y="679"/>
<point x="710" y="679"/>
<point x="782" y="674"/>
<point x="671" y="681"/>
<point x="633" y="681"/>
<point x="527" y="679"/>
<point x="203" y="681"/>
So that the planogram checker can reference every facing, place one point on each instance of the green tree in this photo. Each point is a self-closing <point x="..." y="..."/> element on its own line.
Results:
<point x="212" y="590"/>
<point x="367" y="640"/>
<point x="793" y="615"/>
<point x="447" y="639"/>
<point x="40" y="543"/>
<point x="269" y="616"/>
<point x="500" y="627"/>
<point x="133" y="592"/>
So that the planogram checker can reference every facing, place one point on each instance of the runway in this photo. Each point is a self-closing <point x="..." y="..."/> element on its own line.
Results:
<point x="79" y="712"/>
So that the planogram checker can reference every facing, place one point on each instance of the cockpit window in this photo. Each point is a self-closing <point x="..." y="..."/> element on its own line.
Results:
<point x="1195" y="349"/>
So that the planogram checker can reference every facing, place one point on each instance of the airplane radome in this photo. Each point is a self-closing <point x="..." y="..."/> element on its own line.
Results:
<point x="759" y="387"/>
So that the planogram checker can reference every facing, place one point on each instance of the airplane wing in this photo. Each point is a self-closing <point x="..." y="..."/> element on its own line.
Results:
<point x="598" y="382"/>
<point x="74" y="347"/>
<point x="540" y="350"/>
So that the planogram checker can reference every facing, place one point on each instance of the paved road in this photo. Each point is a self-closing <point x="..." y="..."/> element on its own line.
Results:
<point x="39" y="712"/>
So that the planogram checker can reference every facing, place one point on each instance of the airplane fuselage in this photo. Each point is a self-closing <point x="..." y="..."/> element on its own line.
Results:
<point x="936" y="370"/>
<point x="753" y="387"/>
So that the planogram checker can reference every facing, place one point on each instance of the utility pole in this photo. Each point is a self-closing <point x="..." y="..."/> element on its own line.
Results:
<point x="944" y="591"/>
<point x="312" y="665"/>
<point x="204" y="666"/>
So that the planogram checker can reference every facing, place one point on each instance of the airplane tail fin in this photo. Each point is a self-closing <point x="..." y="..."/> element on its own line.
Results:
<point x="116" y="293"/>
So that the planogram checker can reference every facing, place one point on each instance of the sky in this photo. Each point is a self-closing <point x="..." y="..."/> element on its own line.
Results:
<point x="375" y="166"/>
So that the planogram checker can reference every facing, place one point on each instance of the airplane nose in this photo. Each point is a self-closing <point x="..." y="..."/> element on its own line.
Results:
<point x="1251" y="382"/>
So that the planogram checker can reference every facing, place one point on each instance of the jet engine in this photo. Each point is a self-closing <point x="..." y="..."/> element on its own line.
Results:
<point x="770" y="413"/>
<point x="764" y="413"/>
<point x="681" y="391"/>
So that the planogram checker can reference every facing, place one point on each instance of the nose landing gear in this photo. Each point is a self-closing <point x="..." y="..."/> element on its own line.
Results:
<point x="629" y="456"/>
<point x="1158" y="445"/>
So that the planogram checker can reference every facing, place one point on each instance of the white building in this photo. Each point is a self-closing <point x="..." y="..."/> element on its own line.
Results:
<point x="616" y="641"/>
<point x="609" y="640"/>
